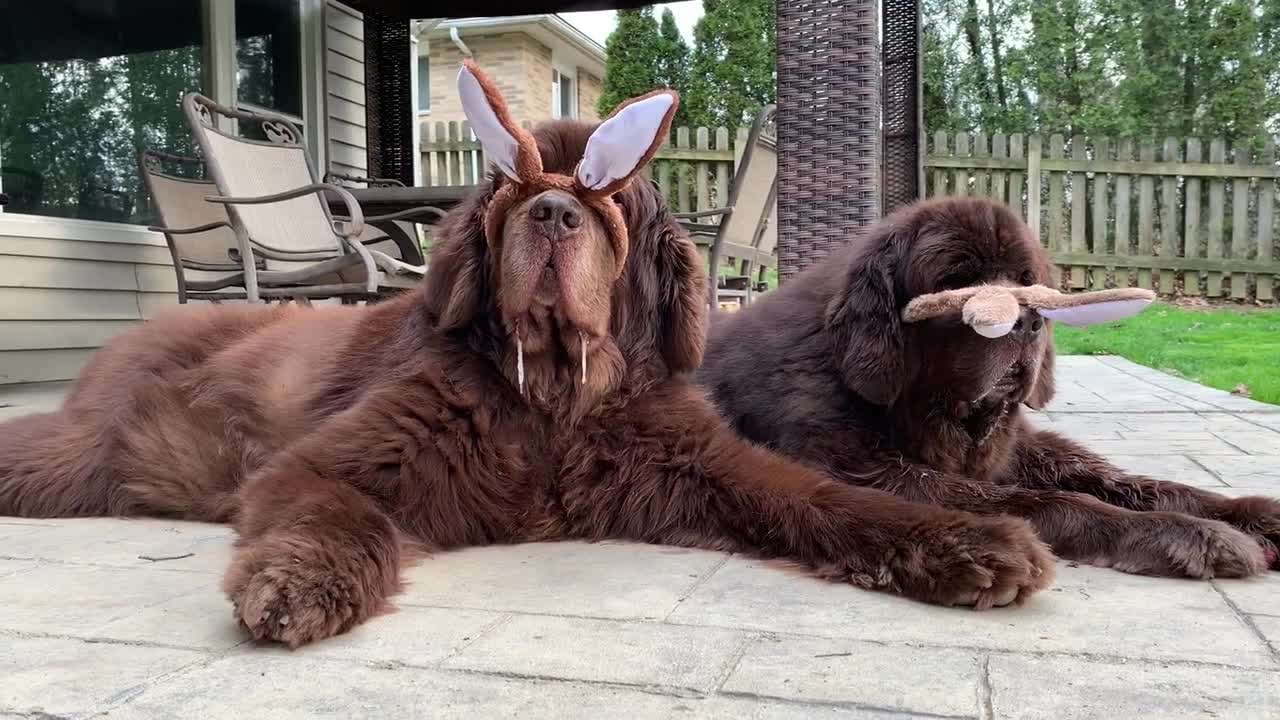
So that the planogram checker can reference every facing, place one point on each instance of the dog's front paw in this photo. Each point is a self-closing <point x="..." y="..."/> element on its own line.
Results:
<point x="291" y="599"/>
<point x="975" y="561"/>
<point x="1258" y="517"/>
<point x="1179" y="545"/>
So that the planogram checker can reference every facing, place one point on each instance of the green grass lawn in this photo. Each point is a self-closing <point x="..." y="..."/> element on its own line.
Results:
<point x="1221" y="348"/>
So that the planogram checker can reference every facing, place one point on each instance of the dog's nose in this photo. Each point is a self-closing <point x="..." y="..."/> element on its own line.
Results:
<point x="556" y="211"/>
<point x="1029" y="323"/>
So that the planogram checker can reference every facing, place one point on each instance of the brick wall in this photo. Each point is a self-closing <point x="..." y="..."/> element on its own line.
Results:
<point x="589" y="88"/>
<point x="511" y="59"/>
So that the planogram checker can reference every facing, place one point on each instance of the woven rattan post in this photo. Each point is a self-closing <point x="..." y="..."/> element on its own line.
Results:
<point x="902" y="180"/>
<point x="828" y="126"/>
<point x="388" y="97"/>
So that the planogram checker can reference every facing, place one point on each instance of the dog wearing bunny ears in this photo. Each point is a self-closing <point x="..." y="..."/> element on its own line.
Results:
<point x="534" y="389"/>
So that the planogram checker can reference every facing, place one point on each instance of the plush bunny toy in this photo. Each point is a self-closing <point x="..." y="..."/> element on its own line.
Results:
<point x="992" y="310"/>
<point x="615" y="153"/>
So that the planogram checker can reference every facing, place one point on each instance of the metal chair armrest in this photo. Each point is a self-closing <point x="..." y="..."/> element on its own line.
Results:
<point x="703" y="213"/>
<point x="355" y="223"/>
<point x="191" y="230"/>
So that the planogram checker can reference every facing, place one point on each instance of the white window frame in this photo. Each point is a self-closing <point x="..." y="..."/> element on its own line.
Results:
<point x="417" y="84"/>
<point x="557" y="75"/>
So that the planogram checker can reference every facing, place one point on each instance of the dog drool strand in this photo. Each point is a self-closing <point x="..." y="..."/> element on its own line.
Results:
<point x="519" y="359"/>
<point x="582" y="336"/>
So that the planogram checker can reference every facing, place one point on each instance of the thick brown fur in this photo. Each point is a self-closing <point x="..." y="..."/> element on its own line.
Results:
<point x="340" y="441"/>
<point x="824" y="371"/>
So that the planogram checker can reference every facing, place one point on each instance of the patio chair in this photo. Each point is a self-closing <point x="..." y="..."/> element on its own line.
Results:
<point x="277" y="209"/>
<point x="198" y="233"/>
<point x="397" y="238"/>
<point x="748" y="228"/>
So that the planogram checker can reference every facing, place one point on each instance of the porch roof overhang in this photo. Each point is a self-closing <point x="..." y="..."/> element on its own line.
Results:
<point x="411" y="9"/>
<point x="84" y="29"/>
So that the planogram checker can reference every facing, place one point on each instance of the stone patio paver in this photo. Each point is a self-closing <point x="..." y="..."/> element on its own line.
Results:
<point x="88" y="628"/>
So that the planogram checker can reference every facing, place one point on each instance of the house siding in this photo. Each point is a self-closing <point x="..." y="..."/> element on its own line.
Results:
<point x="70" y="285"/>
<point x="345" y="90"/>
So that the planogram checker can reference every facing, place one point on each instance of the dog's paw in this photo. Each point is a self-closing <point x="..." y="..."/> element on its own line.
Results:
<point x="292" y="600"/>
<point x="1258" y="517"/>
<point x="981" y="562"/>
<point x="1183" y="546"/>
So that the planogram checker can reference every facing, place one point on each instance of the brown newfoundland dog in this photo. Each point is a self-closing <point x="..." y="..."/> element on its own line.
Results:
<point x="824" y="371"/>
<point x="537" y="388"/>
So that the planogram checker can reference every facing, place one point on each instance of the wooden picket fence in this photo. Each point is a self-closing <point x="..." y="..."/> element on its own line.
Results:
<point x="1125" y="213"/>
<point x="693" y="175"/>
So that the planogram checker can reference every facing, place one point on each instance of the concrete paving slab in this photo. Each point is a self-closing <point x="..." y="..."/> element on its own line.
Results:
<point x="607" y="580"/>
<point x="895" y="677"/>
<point x="1088" y="610"/>
<point x="607" y="651"/>
<point x="1070" y="688"/>
<point x="42" y="677"/>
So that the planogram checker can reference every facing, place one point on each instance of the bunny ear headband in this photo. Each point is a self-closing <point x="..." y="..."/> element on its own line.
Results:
<point x="992" y="310"/>
<point x="615" y="153"/>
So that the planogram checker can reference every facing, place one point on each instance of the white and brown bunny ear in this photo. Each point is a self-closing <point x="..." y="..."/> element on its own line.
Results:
<point x="1093" y="308"/>
<point x="507" y="145"/>
<point x="992" y="311"/>
<point x="624" y="142"/>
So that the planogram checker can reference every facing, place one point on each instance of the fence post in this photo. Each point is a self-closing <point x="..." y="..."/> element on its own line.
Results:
<point x="1170" y="247"/>
<point x="1033" y="185"/>
<point x="1101" y="152"/>
<point x="940" y="147"/>
<point x="1015" y="177"/>
<point x="961" y="175"/>
<point x="999" y="151"/>
<point x="1057" y="239"/>
<point x="1146" y="208"/>
<point x="1079" y="201"/>
<point x="1217" y="154"/>
<point x="1191" y="232"/>
<point x="1240" y="226"/>
<point x="1266" y="224"/>
<point x="980" y="173"/>
<point x="701" y="171"/>
<point x="682" y="174"/>
<point x="722" y="169"/>
<point x="1124" y="153"/>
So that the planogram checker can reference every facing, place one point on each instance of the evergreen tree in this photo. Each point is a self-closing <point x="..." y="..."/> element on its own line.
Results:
<point x="673" y="61"/>
<point x="733" y="72"/>
<point x="633" y="55"/>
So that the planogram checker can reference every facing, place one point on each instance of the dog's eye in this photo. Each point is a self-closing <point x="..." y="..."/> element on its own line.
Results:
<point x="1027" y="278"/>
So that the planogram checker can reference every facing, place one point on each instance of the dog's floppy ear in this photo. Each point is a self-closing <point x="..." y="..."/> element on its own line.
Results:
<point x="457" y="282"/>
<point x="682" y="298"/>
<point x="863" y="320"/>
<point x="624" y="142"/>
<point x="1042" y="389"/>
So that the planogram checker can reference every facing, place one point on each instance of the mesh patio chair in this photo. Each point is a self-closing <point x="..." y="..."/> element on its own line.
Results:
<point x="277" y="208"/>
<point x="398" y="238"/>
<point x="748" y="229"/>
<point x="198" y="233"/>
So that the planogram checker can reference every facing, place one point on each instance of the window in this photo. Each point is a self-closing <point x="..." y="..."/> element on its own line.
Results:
<point x="269" y="55"/>
<point x="424" y="84"/>
<point x="564" y="101"/>
<point x="83" y="87"/>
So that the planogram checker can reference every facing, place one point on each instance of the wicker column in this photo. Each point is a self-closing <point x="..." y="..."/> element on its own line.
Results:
<point x="903" y="166"/>
<point x="388" y="97"/>
<point x="828" y="126"/>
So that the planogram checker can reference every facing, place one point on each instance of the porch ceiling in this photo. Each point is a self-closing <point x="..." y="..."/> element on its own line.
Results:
<point x="488" y="8"/>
